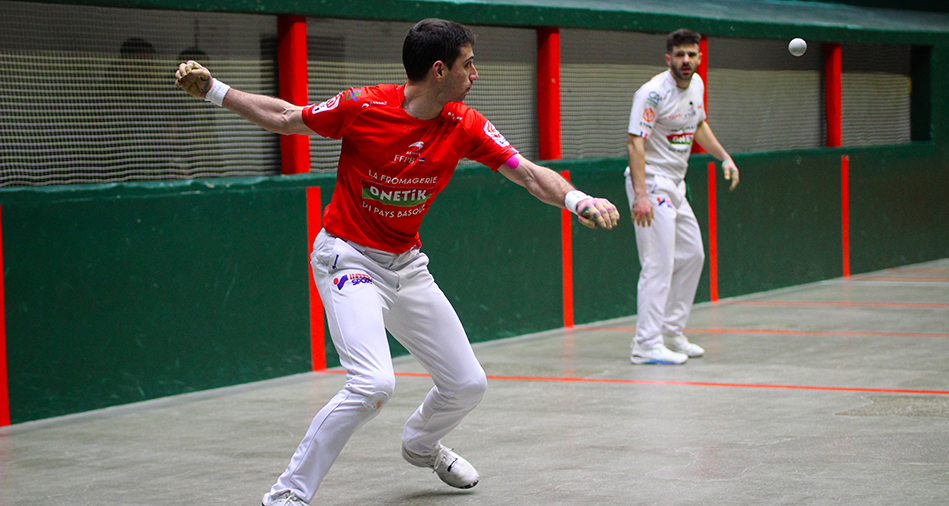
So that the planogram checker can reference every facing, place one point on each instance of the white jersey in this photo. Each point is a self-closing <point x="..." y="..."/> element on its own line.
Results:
<point x="667" y="117"/>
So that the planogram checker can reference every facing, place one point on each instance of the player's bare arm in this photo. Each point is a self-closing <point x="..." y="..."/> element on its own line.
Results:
<point x="706" y="139"/>
<point x="269" y="113"/>
<point x="551" y="188"/>
<point x="642" y="207"/>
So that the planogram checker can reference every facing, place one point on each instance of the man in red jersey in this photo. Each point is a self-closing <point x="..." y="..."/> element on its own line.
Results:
<point x="400" y="146"/>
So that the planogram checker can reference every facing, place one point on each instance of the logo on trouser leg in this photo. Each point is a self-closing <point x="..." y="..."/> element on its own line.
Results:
<point x="354" y="279"/>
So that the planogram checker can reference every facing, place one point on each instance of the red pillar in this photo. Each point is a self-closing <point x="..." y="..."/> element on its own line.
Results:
<point x="712" y="234"/>
<point x="845" y="211"/>
<point x="832" y="71"/>
<point x="566" y="240"/>
<point x="4" y="393"/>
<point x="702" y="71"/>
<point x="548" y="92"/>
<point x="292" y="79"/>
<point x="314" y="210"/>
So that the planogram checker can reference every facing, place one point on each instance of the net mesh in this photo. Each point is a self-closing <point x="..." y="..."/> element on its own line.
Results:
<point x="351" y="53"/>
<point x="875" y="95"/>
<point x="597" y="87"/>
<point x="88" y="95"/>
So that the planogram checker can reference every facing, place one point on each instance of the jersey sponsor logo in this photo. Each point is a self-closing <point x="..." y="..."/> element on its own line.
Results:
<point x="649" y="115"/>
<point x="654" y="97"/>
<point x="495" y="135"/>
<point x="351" y="94"/>
<point x="354" y="279"/>
<point x="411" y="155"/>
<point x="663" y="202"/>
<point x="682" y="139"/>
<point x="329" y="105"/>
<point x="391" y="196"/>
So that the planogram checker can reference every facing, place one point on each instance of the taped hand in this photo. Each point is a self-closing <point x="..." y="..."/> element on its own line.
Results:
<point x="193" y="78"/>
<point x="597" y="213"/>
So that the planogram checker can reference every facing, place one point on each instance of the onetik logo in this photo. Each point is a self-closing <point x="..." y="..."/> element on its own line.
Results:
<point x="681" y="139"/>
<point x="354" y="278"/>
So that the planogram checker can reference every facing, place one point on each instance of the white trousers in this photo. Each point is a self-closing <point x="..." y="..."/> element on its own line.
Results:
<point x="365" y="292"/>
<point x="672" y="256"/>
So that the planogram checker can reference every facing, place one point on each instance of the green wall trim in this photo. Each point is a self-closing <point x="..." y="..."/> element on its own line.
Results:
<point x="813" y="20"/>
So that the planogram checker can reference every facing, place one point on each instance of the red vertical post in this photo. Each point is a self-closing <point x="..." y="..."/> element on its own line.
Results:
<point x="845" y="211"/>
<point x="548" y="92"/>
<point x="317" y="331"/>
<point x="832" y="70"/>
<point x="292" y="80"/>
<point x="702" y="71"/>
<point x="4" y="392"/>
<point x="566" y="240"/>
<point x="712" y="234"/>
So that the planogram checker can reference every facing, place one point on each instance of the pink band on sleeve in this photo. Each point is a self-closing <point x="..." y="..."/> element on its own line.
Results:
<point x="512" y="162"/>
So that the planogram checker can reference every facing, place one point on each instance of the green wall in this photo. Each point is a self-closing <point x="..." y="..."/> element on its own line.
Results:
<point x="126" y="292"/>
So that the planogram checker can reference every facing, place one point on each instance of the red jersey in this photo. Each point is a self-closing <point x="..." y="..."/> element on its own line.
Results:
<point x="392" y="165"/>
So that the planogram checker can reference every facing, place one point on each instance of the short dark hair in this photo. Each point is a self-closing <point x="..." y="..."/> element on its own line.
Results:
<point x="682" y="37"/>
<point x="431" y="40"/>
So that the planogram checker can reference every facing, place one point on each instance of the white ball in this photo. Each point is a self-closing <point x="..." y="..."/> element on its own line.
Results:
<point x="797" y="46"/>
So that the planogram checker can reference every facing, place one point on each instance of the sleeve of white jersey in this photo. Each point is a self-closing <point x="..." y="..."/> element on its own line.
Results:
<point x="642" y="117"/>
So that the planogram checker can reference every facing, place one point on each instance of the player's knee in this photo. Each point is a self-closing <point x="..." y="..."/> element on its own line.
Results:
<point x="378" y="392"/>
<point x="472" y="390"/>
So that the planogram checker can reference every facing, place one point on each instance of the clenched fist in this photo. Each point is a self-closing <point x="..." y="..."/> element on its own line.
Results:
<point x="193" y="78"/>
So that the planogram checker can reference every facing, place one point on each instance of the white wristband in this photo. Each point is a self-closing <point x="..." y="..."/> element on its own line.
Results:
<point x="572" y="199"/>
<point x="216" y="93"/>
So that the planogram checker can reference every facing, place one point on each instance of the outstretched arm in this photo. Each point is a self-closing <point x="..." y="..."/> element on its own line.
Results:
<point x="706" y="139"/>
<point x="551" y="188"/>
<point x="269" y="113"/>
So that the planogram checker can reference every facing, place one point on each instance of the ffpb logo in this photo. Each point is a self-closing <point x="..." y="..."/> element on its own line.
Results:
<point x="355" y="278"/>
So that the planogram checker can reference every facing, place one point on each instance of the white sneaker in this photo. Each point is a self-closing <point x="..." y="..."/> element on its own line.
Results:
<point x="658" y="355"/>
<point x="681" y="344"/>
<point x="448" y="465"/>
<point x="287" y="498"/>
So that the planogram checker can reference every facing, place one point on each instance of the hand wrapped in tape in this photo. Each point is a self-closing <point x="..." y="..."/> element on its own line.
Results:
<point x="597" y="213"/>
<point x="193" y="78"/>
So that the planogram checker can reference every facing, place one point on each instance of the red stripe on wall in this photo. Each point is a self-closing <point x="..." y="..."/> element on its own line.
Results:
<point x="832" y="69"/>
<point x="566" y="235"/>
<point x="702" y="71"/>
<point x="845" y="211"/>
<point x="712" y="234"/>
<point x="292" y="76"/>
<point x="548" y="92"/>
<point x="314" y="211"/>
<point x="4" y="393"/>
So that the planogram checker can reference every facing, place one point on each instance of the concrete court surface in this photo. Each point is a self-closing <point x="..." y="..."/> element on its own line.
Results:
<point x="830" y="393"/>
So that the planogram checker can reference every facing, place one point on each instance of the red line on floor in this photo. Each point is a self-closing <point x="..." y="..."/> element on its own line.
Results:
<point x="682" y="383"/>
<point x="785" y="332"/>
<point x="843" y="304"/>
<point x="920" y="270"/>
<point x="919" y="279"/>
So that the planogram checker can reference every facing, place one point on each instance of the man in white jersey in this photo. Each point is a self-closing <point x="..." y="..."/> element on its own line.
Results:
<point x="668" y="113"/>
<point x="400" y="145"/>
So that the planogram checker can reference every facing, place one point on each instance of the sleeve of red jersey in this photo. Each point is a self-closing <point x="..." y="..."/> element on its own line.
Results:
<point x="488" y="146"/>
<point x="330" y="118"/>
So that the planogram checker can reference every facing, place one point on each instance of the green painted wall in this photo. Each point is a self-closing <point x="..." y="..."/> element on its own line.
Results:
<point x="127" y="292"/>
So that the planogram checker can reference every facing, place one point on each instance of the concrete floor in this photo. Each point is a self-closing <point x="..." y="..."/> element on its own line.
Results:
<point x="830" y="393"/>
